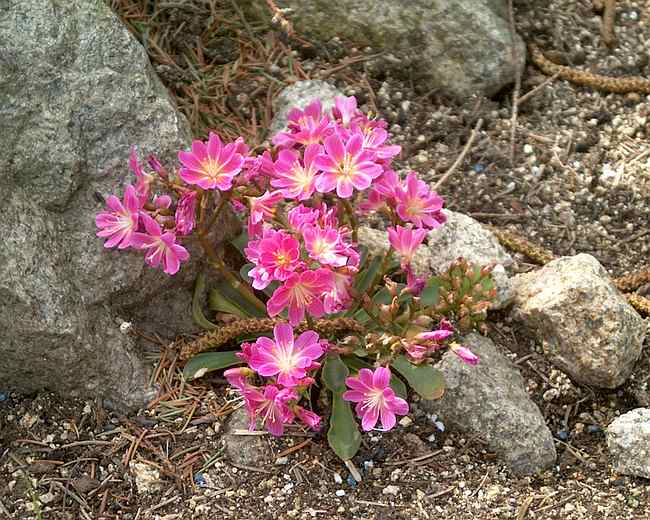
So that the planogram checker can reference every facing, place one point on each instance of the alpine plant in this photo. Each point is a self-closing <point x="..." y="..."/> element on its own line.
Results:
<point x="300" y="203"/>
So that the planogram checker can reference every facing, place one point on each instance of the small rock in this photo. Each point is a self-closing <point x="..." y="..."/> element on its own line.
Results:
<point x="338" y="479"/>
<point x="340" y="493"/>
<point x="147" y="478"/>
<point x="586" y="327"/>
<point x="490" y="400"/>
<point x="462" y="236"/>
<point x="247" y="450"/>
<point x="390" y="490"/>
<point x="405" y="421"/>
<point x="281" y="461"/>
<point x="628" y="440"/>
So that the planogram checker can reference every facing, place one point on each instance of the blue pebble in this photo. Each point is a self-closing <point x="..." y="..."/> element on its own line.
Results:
<point x="199" y="480"/>
<point x="478" y="168"/>
<point x="563" y="435"/>
<point x="351" y="481"/>
<point x="594" y="428"/>
<point x="3" y="397"/>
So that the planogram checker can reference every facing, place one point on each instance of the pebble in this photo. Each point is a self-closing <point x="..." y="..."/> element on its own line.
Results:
<point x="406" y="421"/>
<point x="338" y="479"/>
<point x="390" y="490"/>
<point x="281" y="461"/>
<point x="340" y="493"/>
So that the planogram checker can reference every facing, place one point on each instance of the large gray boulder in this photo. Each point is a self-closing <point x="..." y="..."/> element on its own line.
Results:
<point x="463" y="47"/>
<point x="76" y="91"/>
<point x="628" y="441"/>
<point x="585" y="326"/>
<point x="490" y="400"/>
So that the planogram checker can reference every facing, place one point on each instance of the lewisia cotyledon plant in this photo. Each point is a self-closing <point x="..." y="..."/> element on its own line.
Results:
<point x="302" y="201"/>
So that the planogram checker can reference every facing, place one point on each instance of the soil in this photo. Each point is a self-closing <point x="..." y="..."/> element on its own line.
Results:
<point x="579" y="184"/>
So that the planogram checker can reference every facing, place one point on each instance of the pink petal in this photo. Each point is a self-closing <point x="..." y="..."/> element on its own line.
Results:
<point x="381" y="377"/>
<point x="189" y="160"/>
<point x="283" y="333"/>
<point x="335" y="148"/>
<point x="369" y="419"/>
<point x="307" y="340"/>
<point x="354" y="396"/>
<point x="214" y="145"/>
<point x="387" y="419"/>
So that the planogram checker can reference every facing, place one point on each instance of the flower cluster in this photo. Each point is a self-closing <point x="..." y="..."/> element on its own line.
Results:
<point x="143" y="222"/>
<point x="301" y="202"/>
<point x="286" y="363"/>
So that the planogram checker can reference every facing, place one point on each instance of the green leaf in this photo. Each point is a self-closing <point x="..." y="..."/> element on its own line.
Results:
<point x="334" y="374"/>
<point x="430" y="294"/>
<point x="225" y="298"/>
<point x="201" y="364"/>
<point x="219" y="303"/>
<point x="367" y="276"/>
<point x="197" y="311"/>
<point x="424" y="379"/>
<point x="356" y="364"/>
<point x="240" y="242"/>
<point x="343" y="435"/>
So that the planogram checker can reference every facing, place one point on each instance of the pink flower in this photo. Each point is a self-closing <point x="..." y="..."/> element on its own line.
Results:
<point x="338" y="298"/>
<point x="238" y="377"/>
<point x="345" y="108"/>
<point x="285" y="358"/>
<point x="383" y="192"/>
<point x="301" y="292"/>
<point x="121" y="222"/>
<point x="161" y="247"/>
<point x="155" y="165"/>
<point x="308" y="417"/>
<point x="186" y="213"/>
<point x="296" y="179"/>
<point x="375" y="399"/>
<point x="263" y="208"/>
<point x="143" y="180"/>
<point x="324" y="245"/>
<point x="445" y="329"/>
<point x="308" y="126"/>
<point x="464" y="353"/>
<point x="417" y="204"/>
<point x="276" y="256"/>
<point x="162" y="201"/>
<point x="414" y="284"/>
<point x="345" y="166"/>
<point x="301" y="216"/>
<point x="211" y="165"/>
<point x="405" y="241"/>
<point x="425" y="343"/>
<point x="269" y="404"/>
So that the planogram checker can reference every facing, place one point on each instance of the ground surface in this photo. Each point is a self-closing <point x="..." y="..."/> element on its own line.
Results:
<point x="580" y="183"/>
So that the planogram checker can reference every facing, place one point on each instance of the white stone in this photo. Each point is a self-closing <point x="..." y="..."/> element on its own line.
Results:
<point x="628" y="440"/>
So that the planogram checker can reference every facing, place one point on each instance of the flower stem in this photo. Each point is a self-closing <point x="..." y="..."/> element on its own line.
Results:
<point x="220" y="266"/>
<point x="354" y="223"/>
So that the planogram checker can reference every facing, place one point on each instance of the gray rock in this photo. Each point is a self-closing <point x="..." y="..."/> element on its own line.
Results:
<point x="586" y="327"/>
<point x="77" y="92"/>
<point x="299" y="95"/>
<point x="628" y="441"/>
<point x="246" y="450"/>
<point x="490" y="400"/>
<point x="462" y="236"/>
<point x="460" y="46"/>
